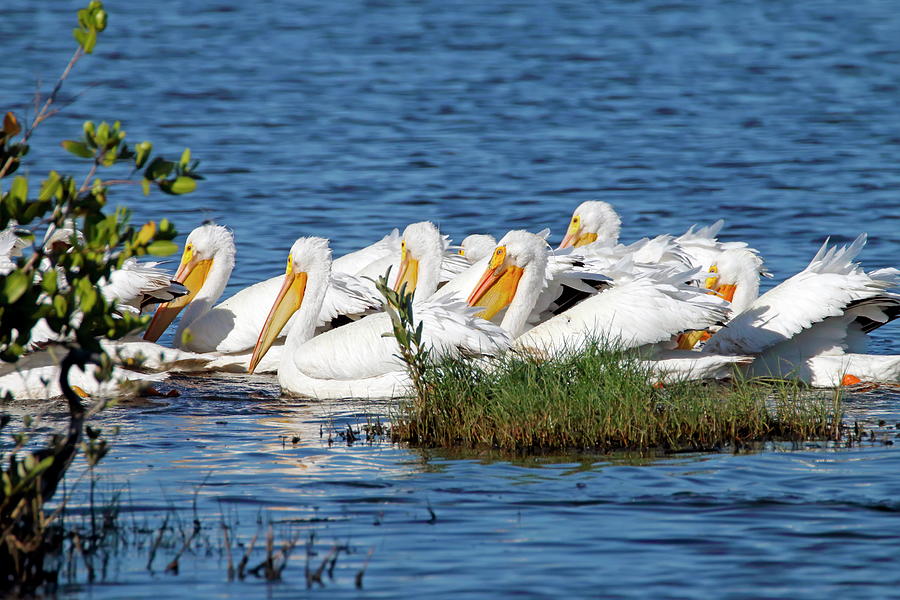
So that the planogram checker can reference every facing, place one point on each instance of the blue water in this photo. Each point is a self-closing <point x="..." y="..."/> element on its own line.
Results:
<point x="346" y="119"/>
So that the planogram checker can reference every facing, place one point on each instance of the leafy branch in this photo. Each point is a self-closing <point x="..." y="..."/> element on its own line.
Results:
<point x="57" y="283"/>
<point x="398" y="305"/>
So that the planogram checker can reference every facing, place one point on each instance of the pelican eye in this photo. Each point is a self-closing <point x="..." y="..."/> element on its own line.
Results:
<point x="188" y="253"/>
<point x="498" y="257"/>
<point x="290" y="264"/>
<point x="402" y="250"/>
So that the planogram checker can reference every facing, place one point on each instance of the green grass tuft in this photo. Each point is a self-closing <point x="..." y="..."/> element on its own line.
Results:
<point x="601" y="399"/>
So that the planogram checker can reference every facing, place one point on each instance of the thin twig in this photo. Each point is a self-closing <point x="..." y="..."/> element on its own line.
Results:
<point x="156" y="543"/>
<point x="43" y="113"/>
<point x="173" y="564"/>
<point x="228" y="550"/>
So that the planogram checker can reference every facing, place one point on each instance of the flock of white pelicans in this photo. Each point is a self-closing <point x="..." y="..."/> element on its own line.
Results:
<point x="688" y="304"/>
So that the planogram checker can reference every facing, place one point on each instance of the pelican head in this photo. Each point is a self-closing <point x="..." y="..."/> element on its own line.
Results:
<point x="515" y="252"/>
<point x="592" y="220"/>
<point x="735" y="277"/>
<point x="421" y="243"/>
<point x="205" y="245"/>
<point x="477" y="246"/>
<point x="309" y="259"/>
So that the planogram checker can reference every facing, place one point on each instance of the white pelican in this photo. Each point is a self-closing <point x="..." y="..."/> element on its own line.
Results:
<point x="593" y="221"/>
<point x="812" y="326"/>
<point x="477" y="246"/>
<point x="131" y="288"/>
<point x="134" y="286"/>
<point x="634" y="311"/>
<point x="232" y="327"/>
<point x="451" y="263"/>
<point x="36" y="376"/>
<point x="358" y="359"/>
<point x="595" y="224"/>
<point x="568" y="278"/>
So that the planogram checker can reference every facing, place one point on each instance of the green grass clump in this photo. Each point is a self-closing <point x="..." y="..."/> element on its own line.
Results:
<point x="601" y="399"/>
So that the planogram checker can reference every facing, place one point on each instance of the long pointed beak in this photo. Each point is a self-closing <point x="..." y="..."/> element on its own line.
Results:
<point x="192" y="275"/>
<point x="496" y="289"/>
<point x="289" y="299"/>
<point x="571" y="237"/>
<point x="576" y="238"/>
<point x="408" y="274"/>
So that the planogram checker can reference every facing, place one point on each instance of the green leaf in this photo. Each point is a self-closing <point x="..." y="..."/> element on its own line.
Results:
<point x="100" y="20"/>
<point x="90" y="41"/>
<point x="50" y="186"/>
<point x="60" y="305"/>
<point x="159" y="168"/>
<point x="185" y="158"/>
<point x="162" y="248"/>
<point x="181" y="185"/>
<point x="146" y="233"/>
<point x="79" y="36"/>
<point x="145" y="185"/>
<point x="87" y="294"/>
<point x="15" y="285"/>
<point x="143" y="153"/>
<point x="35" y="209"/>
<point x="19" y="188"/>
<point x="103" y="133"/>
<point x="48" y="282"/>
<point x="77" y="148"/>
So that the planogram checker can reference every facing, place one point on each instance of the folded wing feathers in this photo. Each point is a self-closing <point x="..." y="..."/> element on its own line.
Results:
<point x="634" y="311"/>
<point x="347" y="295"/>
<point x="452" y="264"/>
<point x="449" y="324"/>
<point x="138" y="284"/>
<point x="708" y="232"/>
<point x="830" y="284"/>
<point x="354" y="262"/>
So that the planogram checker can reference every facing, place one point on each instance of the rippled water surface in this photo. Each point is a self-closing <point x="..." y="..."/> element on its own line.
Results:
<point x="346" y="119"/>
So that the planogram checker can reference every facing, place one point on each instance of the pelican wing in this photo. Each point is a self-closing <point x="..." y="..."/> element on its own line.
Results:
<point x="355" y="262"/>
<point x="631" y="313"/>
<point x="701" y="233"/>
<point x="149" y="356"/>
<point x="36" y="376"/>
<point x="234" y="325"/>
<point x="827" y="287"/>
<point x="828" y="371"/>
<point x="11" y="245"/>
<point x="138" y="284"/>
<point x="686" y="365"/>
<point x="367" y="347"/>
<point x="347" y="296"/>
